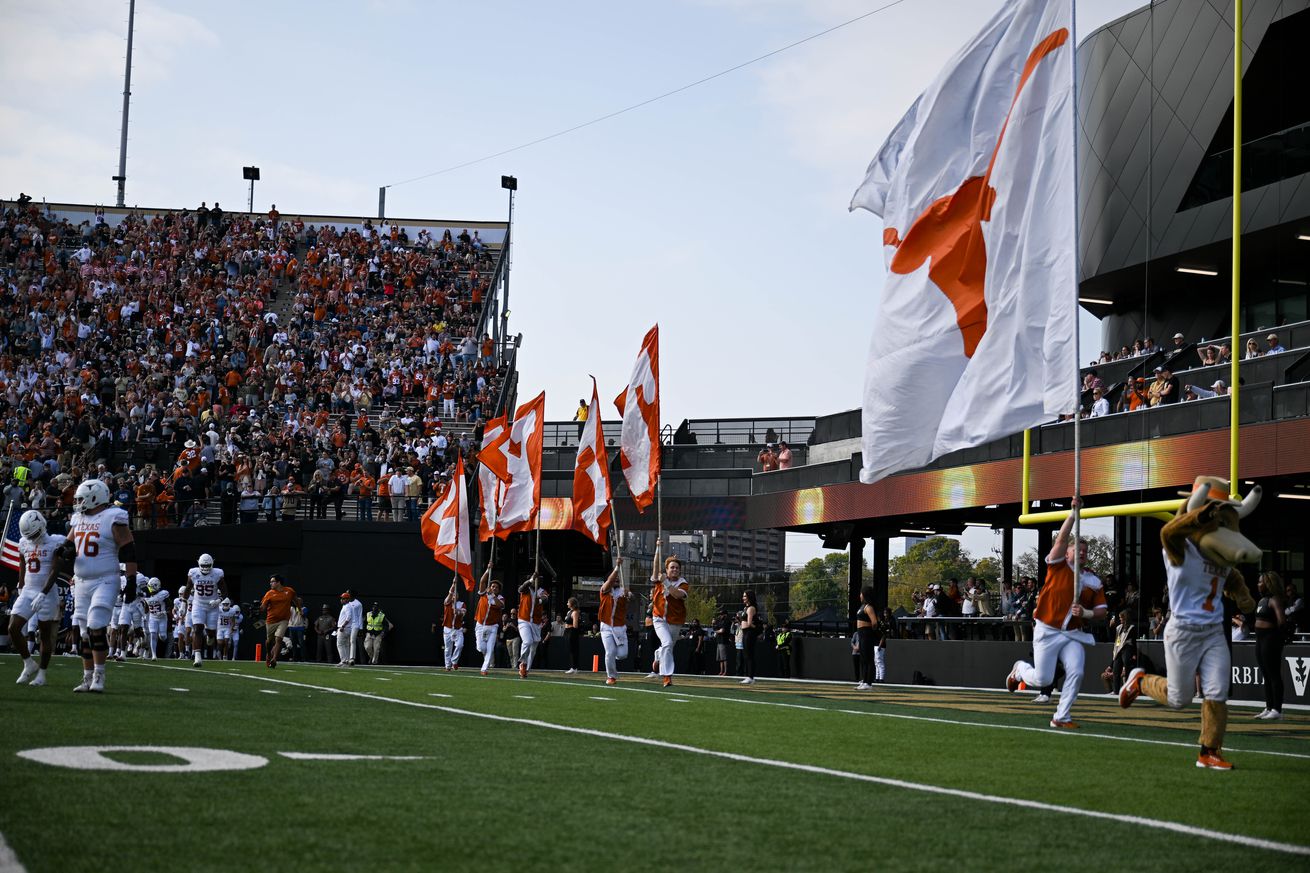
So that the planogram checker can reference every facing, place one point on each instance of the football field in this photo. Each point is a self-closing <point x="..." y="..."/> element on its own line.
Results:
<point x="396" y="768"/>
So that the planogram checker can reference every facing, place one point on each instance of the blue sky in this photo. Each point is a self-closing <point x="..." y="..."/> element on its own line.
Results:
<point x="719" y="212"/>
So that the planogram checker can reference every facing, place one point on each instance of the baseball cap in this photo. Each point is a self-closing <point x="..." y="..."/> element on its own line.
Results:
<point x="1159" y="369"/>
<point x="1178" y="336"/>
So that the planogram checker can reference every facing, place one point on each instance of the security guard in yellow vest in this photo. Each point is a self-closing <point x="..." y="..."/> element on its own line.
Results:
<point x="376" y="627"/>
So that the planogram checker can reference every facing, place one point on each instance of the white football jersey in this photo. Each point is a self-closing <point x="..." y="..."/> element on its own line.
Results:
<point x="93" y="535"/>
<point x="180" y="607"/>
<point x="156" y="603"/>
<point x="204" y="586"/>
<point x="228" y="617"/>
<point x="38" y="559"/>
<point x="1195" y="588"/>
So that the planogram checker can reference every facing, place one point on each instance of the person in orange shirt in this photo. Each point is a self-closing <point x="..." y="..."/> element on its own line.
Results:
<point x="452" y="627"/>
<point x="531" y="613"/>
<point x="276" y="604"/>
<point x="1063" y="610"/>
<point x="668" y="611"/>
<point x="487" y="619"/>
<point x="365" y="486"/>
<point x="613" y="615"/>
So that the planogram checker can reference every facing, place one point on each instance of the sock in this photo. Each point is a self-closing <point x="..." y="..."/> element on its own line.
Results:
<point x="40" y="673"/>
<point x="1156" y="688"/>
<point x="1214" y="723"/>
<point x="29" y="662"/>
<point x="99" y="672"/>
<point x="86" y="675"/>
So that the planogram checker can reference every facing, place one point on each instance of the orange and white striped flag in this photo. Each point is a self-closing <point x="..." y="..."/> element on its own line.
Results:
<point x="445" y="528"/>
<point x="592" y="511"/>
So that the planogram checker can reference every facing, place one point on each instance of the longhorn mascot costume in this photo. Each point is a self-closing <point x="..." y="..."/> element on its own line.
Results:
<point x="1201" y="545"/>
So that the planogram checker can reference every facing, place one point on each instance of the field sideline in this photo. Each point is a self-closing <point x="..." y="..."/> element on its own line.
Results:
<point x="573" y="773"/>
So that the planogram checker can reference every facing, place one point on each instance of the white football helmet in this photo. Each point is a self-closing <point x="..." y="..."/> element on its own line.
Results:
<point x="181" y="591"/>
<point x="206" y="563"/>
<point x="153" y="585"/>
<point x="32" y="525"/>
<point x="91" y="495"/>
<point x="226" y="603"/>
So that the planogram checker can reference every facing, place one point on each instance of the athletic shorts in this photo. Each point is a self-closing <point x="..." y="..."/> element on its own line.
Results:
<point x="157" y="625"/>
<point x="93" y="601"/>
<point x="276" y="629"/>
<point x="27" y="595"/>
<point x="202" y="614"/>
<point x="224" y="633"/>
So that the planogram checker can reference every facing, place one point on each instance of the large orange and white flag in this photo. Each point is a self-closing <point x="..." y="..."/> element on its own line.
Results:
<point x="591" y="478"/>
<point x="445" y="527"/>
<point x="975" y="186"/>
<point x="516" y="461"/>
<point x="639" y="441"/>
<point x="490" y="487"/>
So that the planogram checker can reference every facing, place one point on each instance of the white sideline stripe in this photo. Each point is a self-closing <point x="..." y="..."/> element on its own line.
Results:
<point x="604" y="698"/>
<point x="1049" y="731"/>
<point x="838" y="683"/>
<point x="435" y="694"/>
<point x="9" y="862"/>
<point x="267" y="691"/>
<point x="1137" y="821"/>
<point x="525" y="697"/>
<point x="312" y="756"/>
<point x="179" y="689"/>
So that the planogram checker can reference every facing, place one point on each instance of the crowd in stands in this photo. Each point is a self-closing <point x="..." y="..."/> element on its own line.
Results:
<point x="249" y="349"/>
<point x="1164" y="387"/>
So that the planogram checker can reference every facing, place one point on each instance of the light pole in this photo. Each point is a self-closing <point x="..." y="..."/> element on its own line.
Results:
<point x="251" y="173"/>
<point x="510" y="184"/>
<point x="121" y="178"/>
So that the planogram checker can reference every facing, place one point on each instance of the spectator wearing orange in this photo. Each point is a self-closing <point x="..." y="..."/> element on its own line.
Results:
<point x="365" y="487"/>
<point x="276" y="605"/>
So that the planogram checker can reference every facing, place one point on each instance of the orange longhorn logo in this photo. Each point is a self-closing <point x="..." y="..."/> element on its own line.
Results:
<point x="949" y="232"/>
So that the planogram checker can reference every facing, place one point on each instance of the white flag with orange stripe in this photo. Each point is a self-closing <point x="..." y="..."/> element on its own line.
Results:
<point x="591" y="478"/>
<point x="639" y="441"/>
<point x="445" y="527"/>
<point x="975" y="186"/>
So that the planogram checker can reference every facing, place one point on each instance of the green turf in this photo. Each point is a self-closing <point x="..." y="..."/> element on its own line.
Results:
<point x="493" y="795"/>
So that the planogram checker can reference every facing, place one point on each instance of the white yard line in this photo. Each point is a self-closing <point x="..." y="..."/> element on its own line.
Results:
<point x="9" y="862"/>
<point x="1135" y="821"/>
<point x="924" y="718"/>
<point x="324" y="756"/>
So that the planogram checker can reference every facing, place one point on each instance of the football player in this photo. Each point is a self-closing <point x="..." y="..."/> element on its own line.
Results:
<point x="452" y="627"/>
<point x="181" y="630"/>
<point x="227" y="616"/>
<point x="38" y="599"/>
<point x="118" y="621"/>
<point x="206" y="588"/>
<point x="101" y="537"/>
<point x="1063" y="611"/>
<point x="487" y="620"/>
<point x="156" y="606"/>
<point x="531" y="614"/>
<point x="613" y="616"/>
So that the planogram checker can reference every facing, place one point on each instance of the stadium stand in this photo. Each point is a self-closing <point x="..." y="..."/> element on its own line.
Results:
<point x="219" y="367"/>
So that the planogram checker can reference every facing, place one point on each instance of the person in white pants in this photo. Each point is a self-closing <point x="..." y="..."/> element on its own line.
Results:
<point x="347" y="629"/>
<point x="531" y="614"/>
<point x="613" y="615"/>
<point x="668" y="611"/>
<point x="1063" y="609"/>
<point x="452" y="627"/>
<point x="487" y="619"/>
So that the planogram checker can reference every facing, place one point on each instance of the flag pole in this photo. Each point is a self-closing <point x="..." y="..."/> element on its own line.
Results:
<point x="1077" y="343"/>
<point x="1234" y="412"/>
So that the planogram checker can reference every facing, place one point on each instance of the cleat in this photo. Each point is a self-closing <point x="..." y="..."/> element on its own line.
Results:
<point x="652" y="675"/>
<point x="29" y="670"/>
<point x="484" y="673"/>
<point x="97" y="684"/>
<point x="863" y="686"/>
<point x="668" y="681"/>
<point x="1132" y="687"/>
<point x="38" y="681"/>
<point x="1271" y="715"/>
<point x="1261" y="714"/>
<point x="1068" y="724"/>
<point x="750" y="681"/>
<point x="611" y="682"/>
<point x="569" y="671"/>
<point x="84" y="687"/>
<point x="1042" y="698"/>
<point x="1212" y="761"/>
<point x="523" y="670"/>
<point x="197" y="663"/>
<point x="1012" y="682"/>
